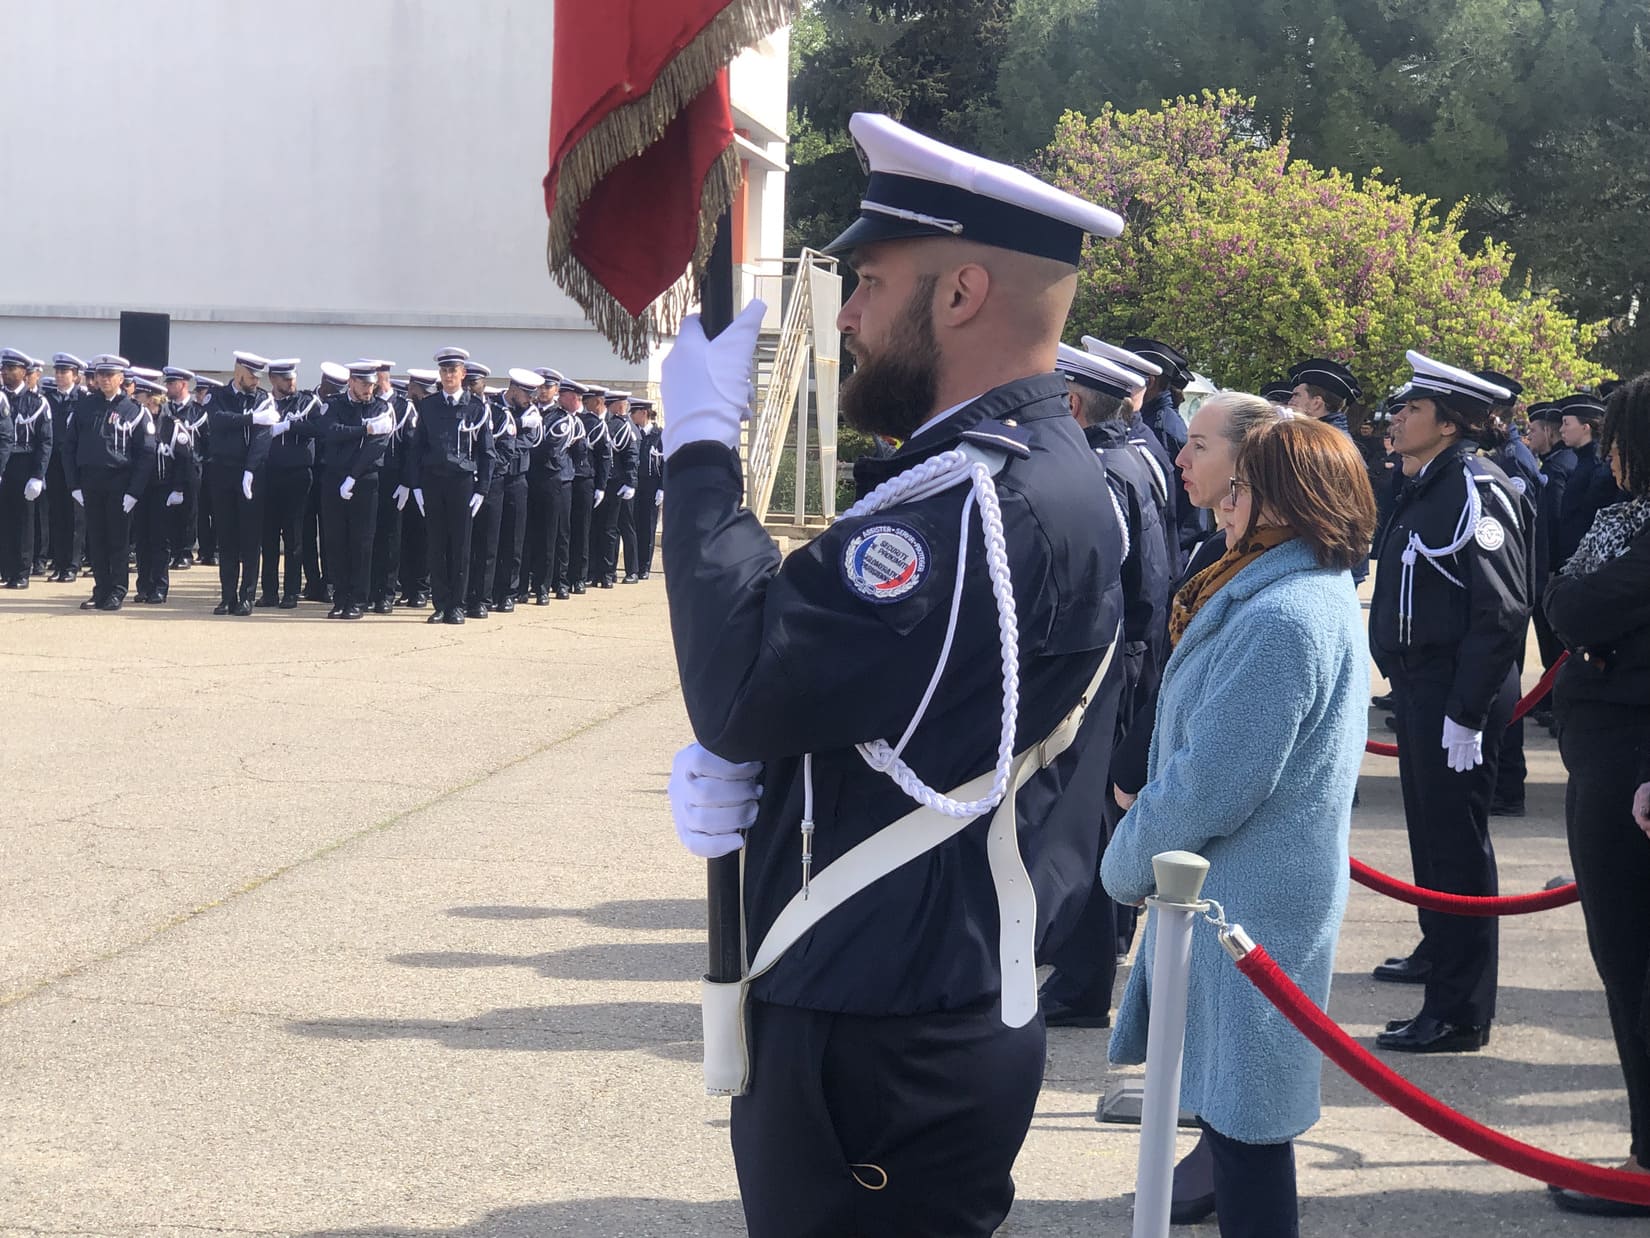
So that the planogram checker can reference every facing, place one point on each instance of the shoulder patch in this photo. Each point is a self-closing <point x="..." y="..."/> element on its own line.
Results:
<point x="886" y="562"/>
<point x="1489" y="534"/>
<point x="1518" y="485"/>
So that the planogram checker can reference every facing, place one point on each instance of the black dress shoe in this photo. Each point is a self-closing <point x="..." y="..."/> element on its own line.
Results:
<point x="643" y="575"/>
<point x="1506" y="808"/>
<point x="630" y="578"/>
<point x="541" y="598"/>
<point x="1381" y="702"/>
<point x="269" y="599"/>
<point x="243" y="609"/>
<point x="1057" y="1014"/>
<point x="109" y="604"/>
<point x="222" y="608"/>
<point x="506" y="606"/>
<point x="383" y="606"/>
<point x="1425" y="1034"/>
<point x="578" y="588"/>
<point x="1192" y="1195"/>
<point x="1404" y="971"/>
<point x="89" y="604"/>
<point x="421" y="599"/>
<point x="20" y="582"/>
<point x="315" y="593"/>
<point x="141" y="599"/>
<point x="1391" y="724"/>
<point x="289" y="602"/>
<point x="562" y="595"/>
<point x="455" y="615"/>
<point x="436" y="617"/>
<point x="476" y="612"/>
<point x="352" y="612"/>
<point x="607" y="584"/>
<point x="1595" y="1205"/>
<point x="337" y="611"/>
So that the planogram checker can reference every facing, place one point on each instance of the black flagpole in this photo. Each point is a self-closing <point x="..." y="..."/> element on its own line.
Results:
<point x="727" y="962"/>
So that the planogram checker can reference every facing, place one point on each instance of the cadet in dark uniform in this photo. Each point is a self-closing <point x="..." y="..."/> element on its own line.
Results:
<point x="581" y="499"/>
<point x="242" y="415"/>
<point x="356" y="427"/>
<point x="287" y="477"/>
<point x="1166" y="473"/>
<point x="594" y="421"/>
<point x="415" y="554"/>
<point x="173" y="448"/>
<point x="449" y="469"/>
<point x="203" y="530"/>
<point x="107" y="461"/>
<point x="23" y="478"/>
<point x="1557" y="463"/>
<point x="8" y="432"/>
<point x="1323" y="390"/>
<point x="896" y="1053"/>
<point x="619" y="522"/>
<point x="549" y="491"/>
<point x="1160" y="410"/>
<point x="184" y="468"/>
<point x="1452" y="597"/>
<point x="314" y="544"/>
<point x="66" y="535"/>
<point x="393" y="493"/>
<point x="650" y="486"/>
<point x="487" y="525"/>
<point x="1591" y="488"/>
<point x="509" y="578"/>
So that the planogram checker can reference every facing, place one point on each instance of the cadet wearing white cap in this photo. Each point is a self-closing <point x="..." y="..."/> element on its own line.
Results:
<point x="66" y="537"/>
<point x="489" y="517"/>
<point x="1452" y="596"/>
<point x="896" y="1056"/>
<point x="615" y="522"/>
<point x="356" y="428"/>
<point x="241" y="417"/>
<point x="1141" y="435"/>
<point x="23" y="475"/>
<point x="185" y="467"/>
<point x="394" y="495"/>
<point x="107" y="459"/>
<point x="589" y="539"/>
<point x="287" y="478"/>
<point x="550" y="490"/>
<point x="650" y="482"/>
<point x="449" y="470"/>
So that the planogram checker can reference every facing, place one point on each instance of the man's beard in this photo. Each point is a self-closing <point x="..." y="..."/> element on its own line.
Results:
<point x="892" y="392"/>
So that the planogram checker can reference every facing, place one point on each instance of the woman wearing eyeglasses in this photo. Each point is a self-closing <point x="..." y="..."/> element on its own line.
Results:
<point x="1259" y="734"/>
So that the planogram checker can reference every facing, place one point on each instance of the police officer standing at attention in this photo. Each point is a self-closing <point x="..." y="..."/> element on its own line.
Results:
<point x="1323" y="389"/>
<point x="594" y="421"/>
<point x="185" y="468"/>
<point x="66" y="534"/>
<point x="393" y="493"/>
<point x="1165" y="472"/>
<point x="1160" y="410"/>
<point x="896" y="1054"/>
<point x="357" y="429"/>
<point x="23" y="478"/>
<point x="582" y="500"/>
<point x="415" y="554"/>
<point x="286" y="482"/>
<point x="173" y="448"/>
<point x="549" y="491"/>
<point x="241" y="417"/>
<point x="107" y="459"/>
<point x="619" y="526"/>
<point x="1452" y="598"/>
<point x="488" y="522"/>
<point x="513" y="463"/>
<point x="1557" y="463"/>
<point x="650" y="487"/>
<point x="203" y="527"/>
<point x="449" y="469"/>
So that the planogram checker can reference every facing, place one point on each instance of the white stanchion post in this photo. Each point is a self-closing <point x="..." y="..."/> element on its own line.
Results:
<point x="1175" y="907"/>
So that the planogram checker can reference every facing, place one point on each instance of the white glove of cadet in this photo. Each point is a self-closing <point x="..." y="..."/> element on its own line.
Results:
<point x="418" y="497"/>
<point x="401" y="496"/>
<point x="597" y="496"/>
<point x="175" y="499"/>
<point x="127" y="503"/>
<point x="32" y="488"/>
<point x="280" y="428"/>
<point x="266" y="416"/>
<point x="532" y="419"/>
<point x="706" y="384"/>
<point x="712" y="800"/>
<point x="627" y="492"/>
<point x="381" y="424"/>
<point x="658" y="498"/>
<point x="475" y="504"/>
<point x="1466" y="748"/>
<point x="79" y="496"/>
<point x="246" y="484"/>
<point x="347" y="489"/>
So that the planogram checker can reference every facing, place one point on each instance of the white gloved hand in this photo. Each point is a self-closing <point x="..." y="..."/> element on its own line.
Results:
<point x="127" y="503"/>
<point x="280" y="428"/>
<point x="347" y="489"/>
<point x="418" y="497"/>
<point x="1466" y="748"/>
<point x="175" y="499"/>
<point x="246" y="484"/>
<point x="79" y="496"/>
<point x="532" y="419"/>
<point x="596" y="497"/>
<point x="382" y="424"/>
<point x="401" y="496"/>
<point x="475" y="504"/>
<point x="712" y="800"/>
<point x="627" y="492"/>
<point x="32" y="488"/>
<point x="266" y="416"/>
<point x="706" y="384"/>
<point x="658" y="498"/>
<point x="509" y="429"/>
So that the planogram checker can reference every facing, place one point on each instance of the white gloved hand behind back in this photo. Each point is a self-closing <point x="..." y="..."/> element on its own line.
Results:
<point x="706" y="384"/>
<point x="712" y="800"/>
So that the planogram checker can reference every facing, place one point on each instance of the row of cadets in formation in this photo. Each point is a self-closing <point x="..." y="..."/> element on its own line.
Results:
<point x="365" y="491"/>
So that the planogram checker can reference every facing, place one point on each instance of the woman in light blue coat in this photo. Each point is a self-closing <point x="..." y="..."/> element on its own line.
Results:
<point x="1260" y="730"/>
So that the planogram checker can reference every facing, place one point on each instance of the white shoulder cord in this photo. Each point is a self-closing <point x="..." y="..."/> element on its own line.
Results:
<point x="1465" y="528"/>
<point x="1122" y="521"/>
<point x="932" y="476"/>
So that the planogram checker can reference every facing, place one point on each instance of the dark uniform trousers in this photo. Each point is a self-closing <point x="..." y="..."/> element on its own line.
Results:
<point x="181" y="520"/>
<point x="579" y="525"/>
<point x="549" y="505"/>
<point x="316" y="577"/>
<point x="204" y="523"/>
<point x="625" y="535"/>
<point x="152" y="521"/>
<point x="1254" y="1187"/>
<point x="507" y="577"/>
<point x="604" y="537"/>
<point x="647" y="525"/>
<point x="348" y="525"/>
<point x="386" y="539"/>
<point x="415" y="551"/>
<point x="66" y="517"/>
<point x="855" y="1126"/>
<point x="239" y="522"/>
<point x="16" y="519"/>
<point x="484" y="530"/>
<point x="285" y="499"/>
<point x="1449" y="839"/>
<point x="447" y="524"/>
<point x="108" y="532"/>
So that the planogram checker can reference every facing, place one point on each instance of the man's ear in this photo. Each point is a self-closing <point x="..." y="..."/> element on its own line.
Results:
<point x="961" y="295"/>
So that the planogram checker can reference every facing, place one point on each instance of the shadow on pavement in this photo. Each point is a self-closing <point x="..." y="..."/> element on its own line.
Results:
<point x="630" y="913"/>
<point x="655" y="961"/>
<point x="631" y="1218"/>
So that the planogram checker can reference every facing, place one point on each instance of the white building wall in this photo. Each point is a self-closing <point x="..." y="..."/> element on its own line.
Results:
<point x="320" y="178"/>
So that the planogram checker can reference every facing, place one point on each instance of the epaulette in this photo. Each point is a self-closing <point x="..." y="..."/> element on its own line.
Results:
<point x="1002" y="436"/>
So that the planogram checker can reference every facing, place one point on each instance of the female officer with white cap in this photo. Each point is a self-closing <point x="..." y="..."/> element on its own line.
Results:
<point x="1452" y="597"/>
<point x="895" y="1049"/>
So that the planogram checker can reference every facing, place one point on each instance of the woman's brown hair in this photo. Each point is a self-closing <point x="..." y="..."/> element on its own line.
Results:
<point x="1309" y="477"/>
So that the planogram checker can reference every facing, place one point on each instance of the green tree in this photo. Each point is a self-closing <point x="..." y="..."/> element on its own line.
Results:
<point x="1252" y="258"/>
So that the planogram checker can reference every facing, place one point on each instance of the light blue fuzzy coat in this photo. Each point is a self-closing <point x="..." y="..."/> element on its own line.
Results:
<point x="1260" y="730"/>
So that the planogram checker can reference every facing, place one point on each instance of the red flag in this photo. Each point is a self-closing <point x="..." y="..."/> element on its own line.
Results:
<point x="642" y="159"/>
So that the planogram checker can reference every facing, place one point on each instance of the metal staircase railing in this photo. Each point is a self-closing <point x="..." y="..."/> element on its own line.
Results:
<point x="768" y="430"/>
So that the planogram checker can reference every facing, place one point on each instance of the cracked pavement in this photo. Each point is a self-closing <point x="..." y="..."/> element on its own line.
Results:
<point x="346" y="930"/>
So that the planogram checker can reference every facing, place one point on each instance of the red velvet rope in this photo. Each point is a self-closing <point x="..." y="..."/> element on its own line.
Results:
<point x="1536" y="696"/>
<point x="1437" y="1117"/>
<point x="1463" y="904"/>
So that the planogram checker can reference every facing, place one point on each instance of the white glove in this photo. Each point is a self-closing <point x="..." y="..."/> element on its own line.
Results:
<point x="627" y="492"/>
<point x="532" y="419"/>
<point x="382" y="424"/>
<point x="401" y="496"/>
<point x="418" y="497"/>
<point x="706" y="384"/>
<point x="246" y="484"/>
<point x="32" y="488"/>
<point x="475" y="504"/>
<point x="597" y="497"/>
<point x="347" y="489"/>
<point x="712" y="800"/>
<point x="509" y="429"/>
<point x="175" y="499"/>
<point x="266" y="416"/>
<point x="658" y="498"/>
<point x="281" y="427"/>
<point x="127" y="503"/>
<point x="79" y="496"/>
<point x="1466" y="748"/>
